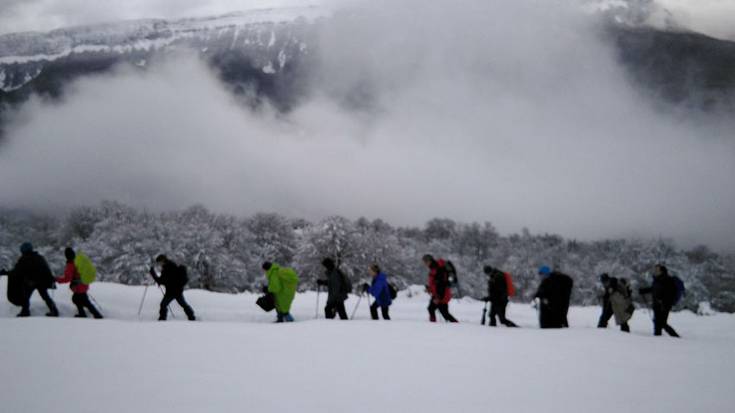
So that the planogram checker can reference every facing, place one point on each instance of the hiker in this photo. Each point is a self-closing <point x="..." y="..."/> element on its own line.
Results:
<point x="73" y="277"/>
<point x="497" y="295"/>
<point x="282" y="283"/>
<point x="174" y="277"/>
<point x="380" y="290"/>
<point x="664" y="292"/>
<point x="554" y="293"/>
<point x="338" y="286"/>
<point x="616" y="301"/>
<point x="439" y="289"/>
<point x="30" y="273"/>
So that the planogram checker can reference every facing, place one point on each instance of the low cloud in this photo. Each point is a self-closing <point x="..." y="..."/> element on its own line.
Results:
<point x="513" y="112"/>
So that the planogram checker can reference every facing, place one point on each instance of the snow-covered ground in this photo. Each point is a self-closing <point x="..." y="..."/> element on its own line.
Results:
<point x="235" y="359"/>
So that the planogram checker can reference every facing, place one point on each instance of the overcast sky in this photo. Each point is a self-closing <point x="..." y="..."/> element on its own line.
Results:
<point x="513" y="112"/>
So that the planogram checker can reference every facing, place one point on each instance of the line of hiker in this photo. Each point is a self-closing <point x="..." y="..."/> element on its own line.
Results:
<point x="552" y="298"/>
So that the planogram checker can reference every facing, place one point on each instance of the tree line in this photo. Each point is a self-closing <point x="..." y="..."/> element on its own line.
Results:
<point x="224" y="252"/>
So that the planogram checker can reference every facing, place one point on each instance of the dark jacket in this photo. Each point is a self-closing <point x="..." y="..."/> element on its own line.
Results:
<point x="497" y="288"/>
<point x="171" y="277"/>
<point x="379" y="290"/>
<point x="338" y="285"/>
<point x="34" y="271"/>
<point x="555" y="291"/>
<point x="663" y="290"/>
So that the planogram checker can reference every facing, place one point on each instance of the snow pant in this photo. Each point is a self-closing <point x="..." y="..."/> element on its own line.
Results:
<point x="660" y="321"/>
<point x="81" y="300"/>
<point x="550" y="317"/>
<point x="607" y="313"/>
<point x="383" y="309"/>
<point x="43" y="292"/>
<point x="334" y="308"/>
<point x="179" y="297"/>
<point x="443" y="309"/>
<point x="497" y="309"/>
<point x="283" y="317"/>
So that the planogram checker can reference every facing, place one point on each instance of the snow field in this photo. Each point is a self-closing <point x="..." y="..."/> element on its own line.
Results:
<point x="235" y="359"/>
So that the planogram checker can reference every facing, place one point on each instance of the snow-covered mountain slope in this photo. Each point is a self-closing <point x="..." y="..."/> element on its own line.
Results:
<point x="245" y="363"/>
<point x="268" y="50"/>
<point x="270" y="37"/>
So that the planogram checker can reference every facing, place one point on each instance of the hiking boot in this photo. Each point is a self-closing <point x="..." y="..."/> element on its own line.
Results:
<point x="52" y="314"/>
<point x="24" y="314"/>
<point x="80" y="316"/>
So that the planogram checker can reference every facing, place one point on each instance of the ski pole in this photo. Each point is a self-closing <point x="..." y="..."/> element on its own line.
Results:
<point x="352" y="317"/>
<point x="142" y="300"/>
<point x="484" y="314"/>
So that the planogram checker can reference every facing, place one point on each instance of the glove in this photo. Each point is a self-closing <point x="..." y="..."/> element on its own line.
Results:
<point x="264" y="289"/>
<point x="365" y="287"/>
<point x="322" y="282"/>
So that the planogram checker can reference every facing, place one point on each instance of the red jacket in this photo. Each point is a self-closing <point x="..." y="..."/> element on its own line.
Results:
<point x="439" y="283"/>
<point x="71" y="275"/>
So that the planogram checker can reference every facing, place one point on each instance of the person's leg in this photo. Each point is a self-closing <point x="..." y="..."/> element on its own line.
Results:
<point x="432" y="311"/>
<point x="665" y="323"/>
<point x="342" y="311"/>
<point x="92" y="309"/>
<point x="657" y="317"/>
<point x="79" y="302"/>
<point x="165" y="302"/>
<point x="385" y="310"/>
<point x="329" y="312"/>
<point x="493" y="314"/>
<point x="25" y="310"/>
<point x="280" y="317"/>
<point x="52" y="310"/>
<point x="501" y="315"/>
<point x="187" y="308"/>
<point x="444" y="310"/>
<point x="607" y="313"/>
<point x="374" y="311"/>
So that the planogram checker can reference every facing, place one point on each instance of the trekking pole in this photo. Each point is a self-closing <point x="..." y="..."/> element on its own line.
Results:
<point x="316" y="312"/>
<point x="352" y="317"/>
<point x="99" y="307"/>
<point x="142" y="300"/>
<point x="484" y="313"/>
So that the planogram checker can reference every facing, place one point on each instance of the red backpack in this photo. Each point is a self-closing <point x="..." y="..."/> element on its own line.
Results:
<point x="509" y="285"/>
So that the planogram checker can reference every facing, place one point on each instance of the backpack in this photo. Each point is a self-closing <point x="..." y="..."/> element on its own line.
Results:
<point x="451" y="273"/>
<point x="346" y="283"/>
<point x="509" y="285"/>
<point x="393" y="291"/>
<point x="680" y="289"/>
<point x="85" y="268"/>
<point x="182" y="275"/>
<point x="624" y="287"/>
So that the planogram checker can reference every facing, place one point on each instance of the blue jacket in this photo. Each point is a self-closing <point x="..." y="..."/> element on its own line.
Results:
<point x="379" y="290"/>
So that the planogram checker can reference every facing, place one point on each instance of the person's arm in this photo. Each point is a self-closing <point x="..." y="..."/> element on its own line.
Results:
<point x="69" y="271"/>
<point x="155" y="276"/>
